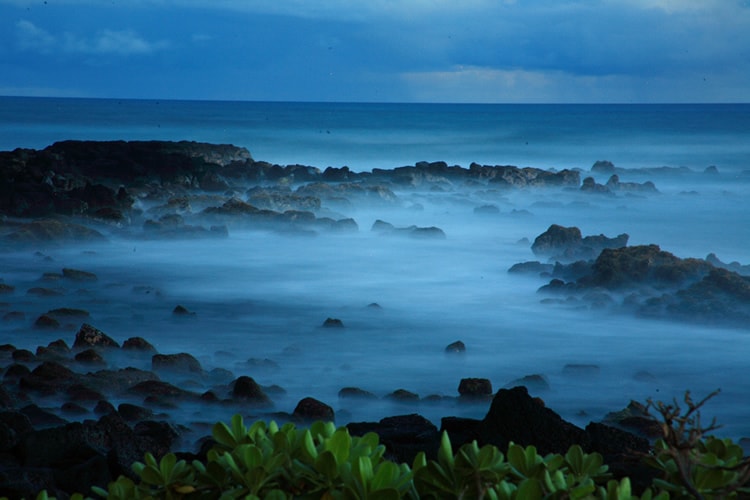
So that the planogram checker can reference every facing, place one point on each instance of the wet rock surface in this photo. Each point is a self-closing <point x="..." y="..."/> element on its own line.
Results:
<point x="101" y="403"/>
<point x="190" y="190"/>
<point x="643" y="279"/>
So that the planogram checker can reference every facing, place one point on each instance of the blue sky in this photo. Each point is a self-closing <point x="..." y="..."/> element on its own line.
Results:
<point x="379" y="50"/>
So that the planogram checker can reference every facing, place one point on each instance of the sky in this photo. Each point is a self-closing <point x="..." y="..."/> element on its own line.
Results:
<point x="524" y="51"/>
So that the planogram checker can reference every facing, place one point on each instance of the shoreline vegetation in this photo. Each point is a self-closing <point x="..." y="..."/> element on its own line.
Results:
<point x="60" y="432"/>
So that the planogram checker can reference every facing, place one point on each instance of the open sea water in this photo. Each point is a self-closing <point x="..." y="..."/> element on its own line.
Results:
<point x="262" y="295"/>
<point x="366" y="136"/>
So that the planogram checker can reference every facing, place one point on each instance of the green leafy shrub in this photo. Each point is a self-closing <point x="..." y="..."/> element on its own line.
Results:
<point x="323" y="462"/>
<point x="265" y="461"/>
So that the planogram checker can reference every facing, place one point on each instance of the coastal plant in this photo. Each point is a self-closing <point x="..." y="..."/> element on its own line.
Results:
<point x="475" y="472"/>
<point x="693" y="463"/>
<point x="268" y="461"/>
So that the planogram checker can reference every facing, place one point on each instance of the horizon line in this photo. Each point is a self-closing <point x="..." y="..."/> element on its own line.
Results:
<point x="447" y="103"/>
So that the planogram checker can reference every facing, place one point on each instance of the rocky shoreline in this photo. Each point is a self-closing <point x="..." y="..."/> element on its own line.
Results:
<point x="79" y="410"/>
<point x="88" y="441"/>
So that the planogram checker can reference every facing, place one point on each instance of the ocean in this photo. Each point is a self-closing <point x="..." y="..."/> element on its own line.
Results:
<point x="260" y="295"/>
<point x="366" y="136"/>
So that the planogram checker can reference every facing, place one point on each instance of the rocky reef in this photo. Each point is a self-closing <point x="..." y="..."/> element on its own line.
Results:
<point x="187" y="189"/>
<point x="644" y="279"/>
<point x="109" y="416"/>
<point x="78" y="410"/>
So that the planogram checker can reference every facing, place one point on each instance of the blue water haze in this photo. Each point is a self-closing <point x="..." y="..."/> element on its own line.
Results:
<point x="264" y="295"/>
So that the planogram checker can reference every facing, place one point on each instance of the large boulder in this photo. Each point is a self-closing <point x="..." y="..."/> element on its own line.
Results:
<point x="643" y="264"/>
<point x="514" y="416"/>
<point x="567" y="244"/>
<point x="245" y="388"/>
<point x="88" y="336"/>
<point x="310" y="409"/>
<point x="180" y="362"/>
<point x="403" y="436"/>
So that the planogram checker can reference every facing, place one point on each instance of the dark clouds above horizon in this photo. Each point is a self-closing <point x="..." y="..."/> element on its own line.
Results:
<point x="379" y="50"/>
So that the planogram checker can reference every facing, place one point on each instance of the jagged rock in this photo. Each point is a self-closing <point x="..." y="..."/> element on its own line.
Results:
<point x="90" y="357"/>
<point x="138" y="344"/>
<point x="49" y="378"/>
<point x="590" y="185"/>
<point x="132" y="413"/>
<point x="158" y="389"/>
<point x="531" y="267"/>
<point x="180" y="310"/>
<point x="533" y="382"/>
<point x="603" y="166"/>
<point x="387" y="228"/>
<point x="88" y="336"/>
<point x="282" y="201"/>
<point x="247" y="389"/>
<point x="68" y="312"/>
<point x="567" y="243"/>
<point x="333" y="323"/>
<point x="180" y="362"/>
<point x="310" y="409"/>
<point x="16" y="371"/>
<point x="380" y="226"/>
<point x="403" y="436"/>
<point x="119" y="380"/>
<point x="78" y="275"/>
<point x="515" y="416"/>
<point x="460" y="430"/>
<point x="402" y="395"/>
<point x="104" y="407"/>
<point x="475" y="388"/>
<point x="73" y="409"/>
<point x="431" y="232"/>
<point x="618" y="267"/>
<point x="732" y="266"/>
<point x="622" y="452"/>
<point x="635" y="419"/>
<point x="23" y="356"/>
<point x="46" y="322"/>
<point x="41" y="418"/>
<point x="614" y="185"/>
<point x="81" y="392"/>
<point x="14" y="316"/>
<point x="355" y="393"/>
<point x="455" y="347"/>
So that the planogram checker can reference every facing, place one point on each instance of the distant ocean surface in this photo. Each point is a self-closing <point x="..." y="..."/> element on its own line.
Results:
<point x="366" y="136"/>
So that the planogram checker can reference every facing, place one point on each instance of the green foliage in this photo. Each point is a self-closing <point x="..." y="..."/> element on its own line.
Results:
<point x="265" y="461"/>
<point x="476" y="472"/>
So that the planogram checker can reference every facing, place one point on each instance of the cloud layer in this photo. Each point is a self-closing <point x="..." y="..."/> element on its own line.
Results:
<point x="414" y="50"/>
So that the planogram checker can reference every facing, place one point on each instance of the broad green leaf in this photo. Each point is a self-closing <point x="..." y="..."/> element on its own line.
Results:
<point x="309" y="445"/>
<point x="326" y="465"/>
<point x="445" y="453"/>
<point x="574" y="457"/>
<point x="339" y="444"/>
<point x="223" y="435"/>
<point x="167" y="465"/>
<point x="364" y="469"/>
<point x="385" y="476"/>
<point x="151" y="475"/>
<point x="530" y="489"/>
